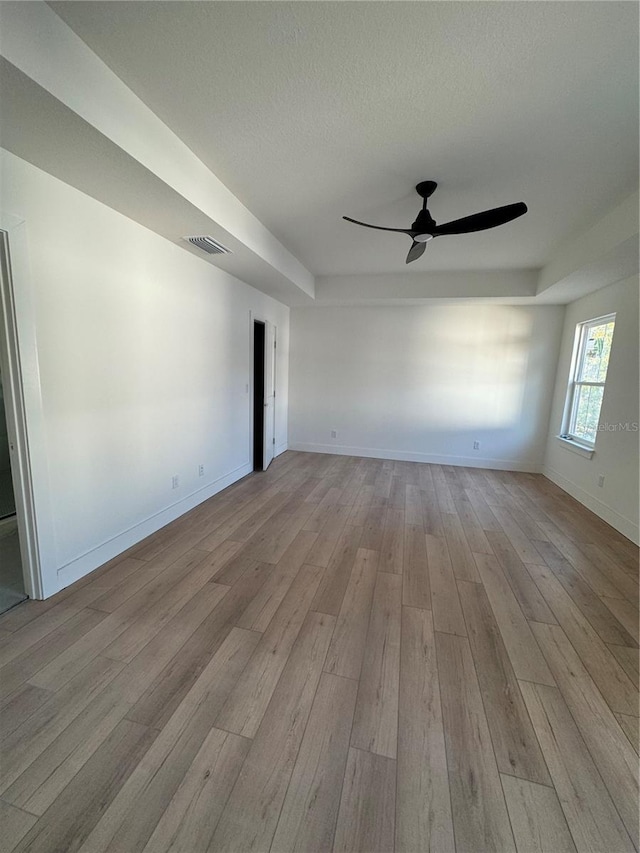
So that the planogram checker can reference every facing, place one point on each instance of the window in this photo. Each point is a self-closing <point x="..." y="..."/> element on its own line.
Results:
<point x="589" y="373"/>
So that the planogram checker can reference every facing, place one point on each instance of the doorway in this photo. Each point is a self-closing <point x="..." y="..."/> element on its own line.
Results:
<point x="264" y="392"/>
<point x="258" y="395"/>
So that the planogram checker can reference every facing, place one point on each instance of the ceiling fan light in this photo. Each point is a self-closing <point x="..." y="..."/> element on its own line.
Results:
<point x="423" y="238"/>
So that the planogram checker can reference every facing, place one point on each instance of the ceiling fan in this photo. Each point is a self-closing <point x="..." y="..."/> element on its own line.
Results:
<point x="425" y="228"/>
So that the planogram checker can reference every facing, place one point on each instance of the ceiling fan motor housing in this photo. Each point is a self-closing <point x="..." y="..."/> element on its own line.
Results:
<point x="424" y="223"/>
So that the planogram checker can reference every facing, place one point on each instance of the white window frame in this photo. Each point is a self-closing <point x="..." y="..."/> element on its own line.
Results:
<point x="579" y="351"/>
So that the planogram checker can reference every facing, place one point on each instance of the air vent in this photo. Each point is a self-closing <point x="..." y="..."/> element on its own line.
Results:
<point x="209" y="245"/>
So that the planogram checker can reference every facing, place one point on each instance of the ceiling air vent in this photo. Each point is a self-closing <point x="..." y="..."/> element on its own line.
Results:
<point x="209" y="245"/>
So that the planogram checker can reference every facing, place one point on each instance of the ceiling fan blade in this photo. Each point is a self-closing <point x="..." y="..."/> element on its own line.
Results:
<point x="379" y="227"/>
<point x="415" y="251"/>
<point x="482" y="221"/>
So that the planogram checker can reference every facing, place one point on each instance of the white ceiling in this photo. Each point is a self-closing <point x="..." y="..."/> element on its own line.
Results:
<point x="311" y="110"/>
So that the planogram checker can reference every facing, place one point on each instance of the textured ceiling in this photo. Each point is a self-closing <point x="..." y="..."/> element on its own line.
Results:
<point x="311" y="110"/>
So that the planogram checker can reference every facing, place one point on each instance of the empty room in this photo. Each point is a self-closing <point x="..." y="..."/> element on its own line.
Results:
<point x="319" y="426"/>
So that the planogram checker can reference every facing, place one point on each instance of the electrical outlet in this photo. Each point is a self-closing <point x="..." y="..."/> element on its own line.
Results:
<point x="601" y="480"/>
<point x="175" y="482"/>
<point x="476" y="445"/>
<point x="334" y="433"/>
<point x="200" y="470"/>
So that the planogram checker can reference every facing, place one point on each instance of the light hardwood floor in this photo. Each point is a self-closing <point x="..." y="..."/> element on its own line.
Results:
<point x="338" y="654"/>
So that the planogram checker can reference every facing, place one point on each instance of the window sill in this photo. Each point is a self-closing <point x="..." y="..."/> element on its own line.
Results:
<point x="576" y="447"/>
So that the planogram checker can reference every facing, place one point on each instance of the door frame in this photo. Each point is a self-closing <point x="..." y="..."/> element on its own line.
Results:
<point x="24" y="409"/>
<point x="260" y="318"/>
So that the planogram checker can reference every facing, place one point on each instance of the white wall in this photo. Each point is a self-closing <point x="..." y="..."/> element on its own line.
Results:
<point x="616" y="453"/>
<point x="144" y="358"/>
<point x="423" y="383"/>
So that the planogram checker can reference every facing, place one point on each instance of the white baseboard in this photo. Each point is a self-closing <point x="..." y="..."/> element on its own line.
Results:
<point x="90" y="560"/>
<point x="621" y="523"/>
<point x="281" y="449"/>
<point x="405" y="456"/>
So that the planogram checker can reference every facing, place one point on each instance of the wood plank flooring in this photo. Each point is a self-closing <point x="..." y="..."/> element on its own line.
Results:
<point x="339" y="654"/>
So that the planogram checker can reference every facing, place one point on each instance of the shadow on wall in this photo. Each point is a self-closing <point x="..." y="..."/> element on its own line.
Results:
<point x="430" y="380"/>
<point x="475" y="368"/>
<point x="455" y="369"/>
